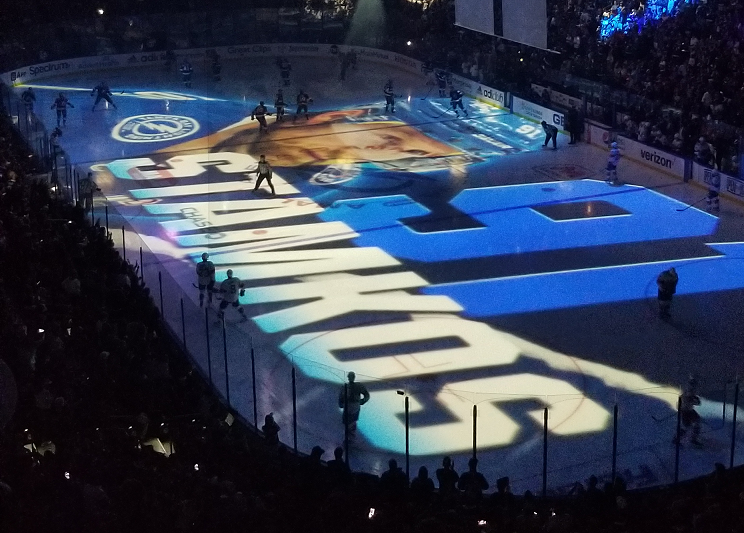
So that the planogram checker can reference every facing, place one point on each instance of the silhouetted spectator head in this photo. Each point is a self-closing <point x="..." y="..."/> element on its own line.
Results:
<point x="338" y="453"/>
<point x="316" y="453"/>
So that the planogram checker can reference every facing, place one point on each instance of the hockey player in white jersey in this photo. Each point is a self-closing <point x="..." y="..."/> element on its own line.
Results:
<point x="612" y="162"/>
<point x="205" y="275"/>
<point x="232" y="288"/>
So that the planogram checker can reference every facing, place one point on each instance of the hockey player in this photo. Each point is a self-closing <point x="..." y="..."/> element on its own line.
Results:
<point x="389" y="97"/>
<point x="442" y="83"/>
<point x="689" y="417"/>
<point x="551" y="132"/>
<point x="29" y="98"/>
<point x="714" y="187"/>
<point x="216" y="67"/>
<point x="612" y="162"/>
<point x="352" y="55"/>
<point x="264" y="172"/>
<point x="351" y="397"/>
<point x="280" y="105"/>
<point x="205" y="278"/>
<point x="456" y="102"/>
<point x="344" y="65"/>
<point x="285" y="68"/>
<point x="302" y="101"/>
<point x="259" y="113"/>
<point x="667" y="284"/>
<point x="186" y="71"/>
<point x="170" y="59"/>
<point x="60" y="104"/>
<point x="230" y="288"/>
<point x="102" y="92"/>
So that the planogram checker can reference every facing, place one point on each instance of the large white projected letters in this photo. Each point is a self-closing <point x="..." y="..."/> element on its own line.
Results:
<point x="571" y="413"/>
<point x="481" y="346"/>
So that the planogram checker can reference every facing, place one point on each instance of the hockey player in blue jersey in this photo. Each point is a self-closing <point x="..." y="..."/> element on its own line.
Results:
<point x="456" y="102"/>
<point x="29" y="98"/>
<point x="186" y="71"/>
<point x="612" y="162"/>
<point x="259" y="113"/>
<point x="61" y="103"/>
<point x="389" y="97"/>
<point x="102" y="92"/>
<point x="285" y="67"/>
<point x="302" y="101"/>
<point x="442" y="83"/>
<point x="280" y="105"/>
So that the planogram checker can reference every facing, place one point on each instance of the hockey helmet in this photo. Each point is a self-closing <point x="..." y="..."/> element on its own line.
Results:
<point x="61" y="95"/>
<point x="229" y="273"/>
<point x="205" y="256"/>
<point x="613" y="145"/>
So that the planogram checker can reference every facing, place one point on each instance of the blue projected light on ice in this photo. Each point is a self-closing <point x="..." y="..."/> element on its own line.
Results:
<point x="513" y="224"/>
<point x="594" y="286"/>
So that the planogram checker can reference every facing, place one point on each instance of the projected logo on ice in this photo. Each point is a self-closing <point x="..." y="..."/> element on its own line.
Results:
<point x="369" y="268"/>
<point x="154" y="128"/>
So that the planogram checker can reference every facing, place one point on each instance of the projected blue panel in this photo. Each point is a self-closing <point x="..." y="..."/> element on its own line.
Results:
<point x="512" y="224"/>
<point x="558" y="290"/>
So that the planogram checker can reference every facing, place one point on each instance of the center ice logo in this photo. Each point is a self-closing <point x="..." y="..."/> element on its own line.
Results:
<point x="154" y="128"/>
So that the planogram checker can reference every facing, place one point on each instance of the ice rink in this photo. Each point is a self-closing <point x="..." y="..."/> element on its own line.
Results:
<point x="451" y="261"/>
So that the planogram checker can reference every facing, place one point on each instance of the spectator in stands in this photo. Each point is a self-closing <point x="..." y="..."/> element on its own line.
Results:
<point x="393" y="482"/>
<point x="703" y="152"/>
<point x="338" y="469"/>
<point x="447" y="477"/>
<point x="422" y="486"/>
<point x="472" y="482"/>
<point x="270" y="430"/>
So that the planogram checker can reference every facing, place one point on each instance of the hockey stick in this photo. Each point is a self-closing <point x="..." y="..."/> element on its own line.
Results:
<point x="427" y="94"/>
<point x="692" y="204"/>
<point x="213" y="291"/>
